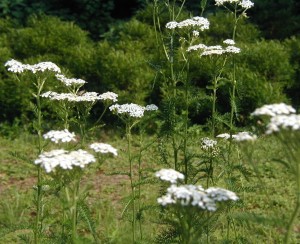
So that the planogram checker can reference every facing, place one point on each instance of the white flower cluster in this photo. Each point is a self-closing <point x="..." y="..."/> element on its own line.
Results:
<point x="64" y="159"/>
<point x="71" y="97"/>
<point x="229" y="42"/>
<point x="196" y="196"/>
<point x="287" y="122"/>
<point x="246" y="4"/>
<point x="274" y="109"/>
<point x="70" y="81"/>
<point x="207" y="143"/>
<point x="244" y="136"/>
<point x="200" y="22"/>
<point x="282" y="117"/>
<point x="60" y="136"/>
<point x="103" y="148"/>
<point x="169" y="175"/>
<point x="239" y="137"/>
<point x="132" y="110"/>
<point x="17" y="67"/>
<point x="214" y="50"/>
<point x="109" y="96"/>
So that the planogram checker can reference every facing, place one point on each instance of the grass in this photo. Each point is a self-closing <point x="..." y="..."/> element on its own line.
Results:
<point x="259" y="217"/>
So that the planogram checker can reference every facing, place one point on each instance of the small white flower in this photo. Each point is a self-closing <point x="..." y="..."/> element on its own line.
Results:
<point x="196" y="47"/>
<point x="221" y="2"/>
<point x="64" y="159"/>
<point x="18" y="67"/>
<point x="232" y="49"/>
<point x="283" y="122"/>
<point x="60" y="136"/>
<point x="229" y="42"/>
<point x="246" y="4"/>
<point x="171" y="25"/>
<point x="103" y="148"/>
<point x="132" y="110"/>
<point x="226" y="136"/>
<point x="151" y="107"/>
<point x="169" y="175"/>
<point x="196" y="196"/>
<point x="196" y="33"/>
<point x="70" y="81"/>
<point x="213" y="50"/>
<point x="207" y="143"/>
<point x="109" y="96"/>
<point x="220" y="194"/>
<point x="274" y="109"/>
<point x="244" y="136"/>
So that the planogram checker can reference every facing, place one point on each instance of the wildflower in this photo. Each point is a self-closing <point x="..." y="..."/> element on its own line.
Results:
<point x="133" y="110"/>
<point x="221" y="2"/>
<point x="224" y="135"/>
<point x="171" y="25"/>
<point x="109" y="96"/>
<point x="200" y="22"/>
<point x="71" y="97"/>
<point x="104" y="148"/>
<point x="196" y="196"/>
<point x="213" y="50"/>
<point x="60" y="136"/>
<point x="17" y="67"/>
<point x="229" y="42"/>
<point x="43" y="66"/>
<point x="196" y="47"/>
<point x="246" y="4"/>
<point x="64" y="159"/>
<point x="151" y="107"/>
<point x="70" y="82"/>
<point x="274" y="109"/>
<point x="286" y="122"/>
<point x="169" y="175"/>
<point x="232" y="49"/>
<point x="207" y="143"/>
<point x="196" y="33"/>
<point x="220" y="194"/>
<point x="244" y="136"/>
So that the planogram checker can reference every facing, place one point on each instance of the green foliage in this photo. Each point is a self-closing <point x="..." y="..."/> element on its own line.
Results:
<point x="122" y="61"/>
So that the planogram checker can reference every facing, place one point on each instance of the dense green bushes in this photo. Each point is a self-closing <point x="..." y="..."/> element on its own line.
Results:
<point x="128" y="63"/>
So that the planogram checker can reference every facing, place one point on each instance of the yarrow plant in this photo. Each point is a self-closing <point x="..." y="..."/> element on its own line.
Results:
<point x="58" y="136"/>
<point x="104" y="148"/>
<point x="188" y="202"/>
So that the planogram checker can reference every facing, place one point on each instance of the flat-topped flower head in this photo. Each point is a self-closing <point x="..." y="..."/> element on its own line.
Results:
<point x="196" y="196"/>
<point x="200" y="22"/>
<point x="130" y="109"/>
<point x="232" y="49"/>
<point x="225" y="136"/>
<point x="220" y="194"/>
<point x="109" y="96"/>
<point x="284" y="122"/>
<point x="104" y="148"/>
<point x="207" y="143"/>
<point x="64" y="159"/>
<point x="151" y="107"/>
<point x="71" y="97"/>
<point x="169" y="175"/>
<point x="244" y="136"/>
<point x="196" y="47"/>
<point x="246" y="4"/>
<point x="18" y="67"/>
<point x="70" y="81"/>
<point x="57" y="136"/>
<point x="229" y="42"/>
<point x="274" y="109"/>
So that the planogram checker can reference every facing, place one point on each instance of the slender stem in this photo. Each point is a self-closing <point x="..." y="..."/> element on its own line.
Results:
<point x="74" y="209"/>
<point x="128" y="135"/>
<point x="297" y="207"/>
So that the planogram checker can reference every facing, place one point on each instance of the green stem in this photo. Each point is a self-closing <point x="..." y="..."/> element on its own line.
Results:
<point x="297" y="208"/>
<point x="128" y="135"/>
<point x="74" y="210"/>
